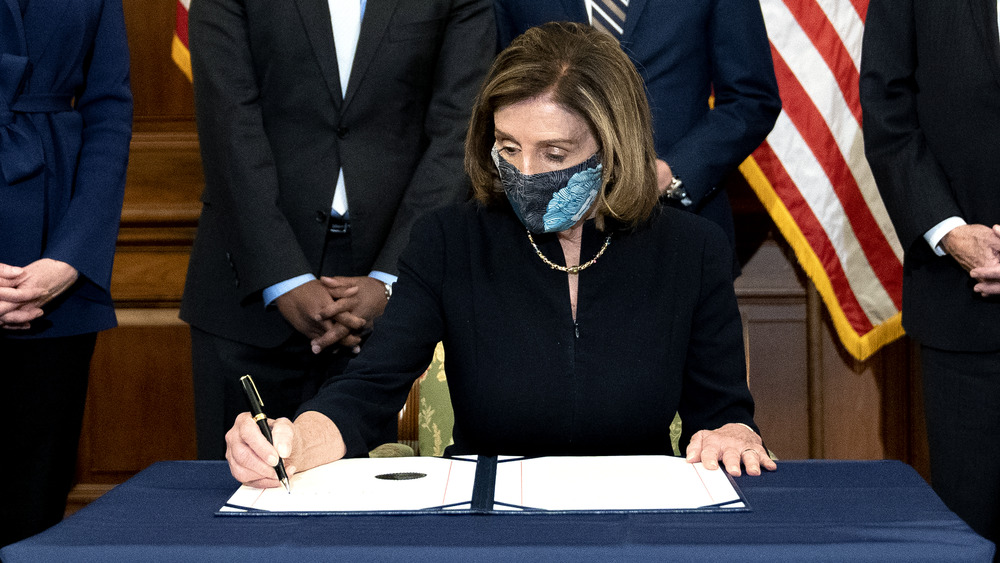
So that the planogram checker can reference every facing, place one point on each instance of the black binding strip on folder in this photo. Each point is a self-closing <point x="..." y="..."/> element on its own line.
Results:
<point x="485" y="485"/>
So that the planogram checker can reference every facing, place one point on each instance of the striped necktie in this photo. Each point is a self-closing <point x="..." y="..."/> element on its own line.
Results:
<point x="609" y="16"/>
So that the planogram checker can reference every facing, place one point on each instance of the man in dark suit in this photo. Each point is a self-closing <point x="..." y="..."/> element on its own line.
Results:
<point x="930" y="93"/>
<point x="686" y="51"/>
<point x="314" y="174"/>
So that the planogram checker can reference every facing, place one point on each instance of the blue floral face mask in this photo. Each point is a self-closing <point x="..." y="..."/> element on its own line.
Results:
<point x="550" y="202"/>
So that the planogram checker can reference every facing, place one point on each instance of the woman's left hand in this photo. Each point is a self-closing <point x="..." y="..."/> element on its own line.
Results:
<point x="732" y="444"/>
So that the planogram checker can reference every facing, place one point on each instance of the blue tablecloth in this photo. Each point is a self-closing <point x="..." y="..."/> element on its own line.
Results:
<point x="806" y="510"/>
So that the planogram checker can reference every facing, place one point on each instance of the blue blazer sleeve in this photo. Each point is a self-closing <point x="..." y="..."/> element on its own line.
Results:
<point x="741" y="76"/>
<point x="85" y="236"/>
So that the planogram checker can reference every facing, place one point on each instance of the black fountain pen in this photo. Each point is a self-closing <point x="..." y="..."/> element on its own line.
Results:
<point x="257" y="411"/>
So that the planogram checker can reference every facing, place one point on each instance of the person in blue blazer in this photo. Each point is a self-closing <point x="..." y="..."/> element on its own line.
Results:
<point x="65" y="126"/>
<point x="686" y="51"/>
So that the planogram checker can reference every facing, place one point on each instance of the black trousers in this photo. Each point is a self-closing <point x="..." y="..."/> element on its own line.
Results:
<point x="962" y="402"/>
<point x="286" y="375"/>
<point x="44" y="388"/>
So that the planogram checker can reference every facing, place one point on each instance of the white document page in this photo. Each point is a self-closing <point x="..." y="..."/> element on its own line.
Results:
<point x="612" y="483"/>
<point x="348" y="485"/>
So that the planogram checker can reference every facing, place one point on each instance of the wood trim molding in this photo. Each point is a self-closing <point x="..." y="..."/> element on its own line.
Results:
<point x="165" y="180"/>
<point x="129" y="317"/>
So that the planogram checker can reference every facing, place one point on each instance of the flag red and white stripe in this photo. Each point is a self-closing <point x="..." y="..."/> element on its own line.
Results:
<point x="179" y="48"/>
<point x="812" y="176"/>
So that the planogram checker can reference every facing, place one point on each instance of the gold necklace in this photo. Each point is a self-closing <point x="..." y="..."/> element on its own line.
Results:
<point x="569" y="269"/>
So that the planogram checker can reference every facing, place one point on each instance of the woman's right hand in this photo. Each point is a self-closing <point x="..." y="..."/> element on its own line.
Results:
<point x="313" y="439"/>
<point x="252" y="458"/>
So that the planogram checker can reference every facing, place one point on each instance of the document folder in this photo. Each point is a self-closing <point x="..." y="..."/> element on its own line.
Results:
<point x="510" y="485"/>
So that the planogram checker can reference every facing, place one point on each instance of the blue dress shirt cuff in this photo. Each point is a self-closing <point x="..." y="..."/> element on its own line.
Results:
<point x="281" y="288"/>
<point x="383" y="277"/>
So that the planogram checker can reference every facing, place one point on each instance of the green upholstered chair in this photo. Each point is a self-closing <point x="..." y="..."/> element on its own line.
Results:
<point x="436" y="417"/>
<point x="426" y="420"/>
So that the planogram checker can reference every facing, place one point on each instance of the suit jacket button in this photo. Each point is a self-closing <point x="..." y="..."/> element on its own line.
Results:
<point x="321" y="217"/>
<point x="342" y="132"/>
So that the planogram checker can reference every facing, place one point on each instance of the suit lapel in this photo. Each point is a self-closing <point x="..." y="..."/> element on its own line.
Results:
<point x="984" y="12"/>
<point x="373" y="28"/>
<point x="316" y="20"/>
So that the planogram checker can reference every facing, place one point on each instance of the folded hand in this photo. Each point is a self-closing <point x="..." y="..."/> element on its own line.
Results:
<point x="357" y="301"/>
<point x="24" y="291"/>
<point x="302" y="308"/>
<point x="973" y="246"/>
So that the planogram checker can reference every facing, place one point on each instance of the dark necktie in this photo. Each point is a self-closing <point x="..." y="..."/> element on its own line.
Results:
<point x="609" y="16"/>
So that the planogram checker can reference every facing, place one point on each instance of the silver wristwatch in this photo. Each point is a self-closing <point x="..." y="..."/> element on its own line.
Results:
<point x="676" y="192"/>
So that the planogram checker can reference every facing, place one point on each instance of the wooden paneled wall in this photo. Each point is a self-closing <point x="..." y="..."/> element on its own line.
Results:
<point x="813" y="400"/>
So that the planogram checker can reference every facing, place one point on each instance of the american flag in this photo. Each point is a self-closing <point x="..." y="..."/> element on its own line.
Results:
<point x="179" y="48"/>
<point x="812" y="176"/>
<point x="810" y="173"/>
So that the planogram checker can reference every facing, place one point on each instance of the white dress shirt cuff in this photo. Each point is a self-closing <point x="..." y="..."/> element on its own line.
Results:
<point x="937" y="232"/>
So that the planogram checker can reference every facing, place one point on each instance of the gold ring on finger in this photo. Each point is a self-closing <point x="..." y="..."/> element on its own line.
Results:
<point x="751" y="450"/>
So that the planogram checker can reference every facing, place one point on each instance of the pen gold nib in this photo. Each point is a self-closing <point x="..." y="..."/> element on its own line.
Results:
<point x="287" y="485"/>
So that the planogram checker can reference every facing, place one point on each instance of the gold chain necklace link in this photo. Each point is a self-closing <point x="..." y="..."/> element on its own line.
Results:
<point x="569" y="269"/>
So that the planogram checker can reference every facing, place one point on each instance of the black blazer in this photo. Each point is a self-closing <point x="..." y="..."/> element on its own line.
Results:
<point x="930" y="95"/>
<point x="657" y="331"/>
<point x="274" y="131"/>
